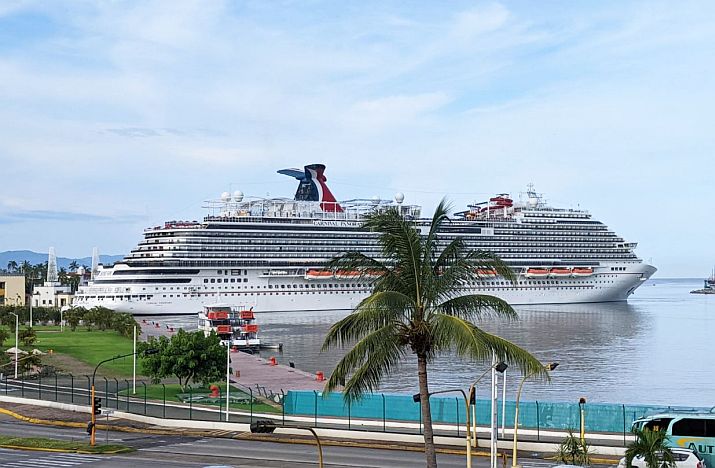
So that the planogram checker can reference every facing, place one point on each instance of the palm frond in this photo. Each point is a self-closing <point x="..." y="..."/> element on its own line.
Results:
<point x="470" y="341"/>
<point x="477" y="307"/>
<point x="367" y="362"/>
<point x="373" y="313"/>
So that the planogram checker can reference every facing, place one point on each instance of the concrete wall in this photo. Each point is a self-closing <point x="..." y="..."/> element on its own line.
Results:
<point x="12" y="290"/>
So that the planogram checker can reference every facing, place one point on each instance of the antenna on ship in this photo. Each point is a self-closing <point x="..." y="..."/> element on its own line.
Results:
<point x="95" y="262"/>
<point x="51" y="266"/>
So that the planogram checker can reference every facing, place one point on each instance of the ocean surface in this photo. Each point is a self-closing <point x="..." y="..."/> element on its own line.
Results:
<point x="656" y="348"/>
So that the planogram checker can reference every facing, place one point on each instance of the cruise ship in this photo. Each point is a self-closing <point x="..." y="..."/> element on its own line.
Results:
<point x="270" y="253"/>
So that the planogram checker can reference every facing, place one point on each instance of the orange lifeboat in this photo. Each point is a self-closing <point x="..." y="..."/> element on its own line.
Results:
<point x="252" y="328"/>
<point x="560" y="272"/>
<point x="318" y="274"/>
<point x="347" y="274"/>
<point x="537" y="272"/>
<point x="587" y="271"/>
<point x="223" y="329"/>
<point x="247" y="315"/>
<point x="217" y="315"/>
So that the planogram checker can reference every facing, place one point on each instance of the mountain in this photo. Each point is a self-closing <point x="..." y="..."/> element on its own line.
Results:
<point x="34" y="258"/>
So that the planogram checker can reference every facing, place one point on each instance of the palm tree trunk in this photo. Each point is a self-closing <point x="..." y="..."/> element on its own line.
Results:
<point x="430" y="454"/>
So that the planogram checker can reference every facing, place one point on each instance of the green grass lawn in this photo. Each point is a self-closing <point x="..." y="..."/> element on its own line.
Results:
<point x="40" y="443"/>
<point x="89" y="347"/>
<point x="156" y="392"/>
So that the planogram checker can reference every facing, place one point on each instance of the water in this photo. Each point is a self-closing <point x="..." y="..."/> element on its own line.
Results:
<point x="654" y="349"/>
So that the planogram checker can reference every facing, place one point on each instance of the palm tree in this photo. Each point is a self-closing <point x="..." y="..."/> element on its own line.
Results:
<point x="12" y="266"/>
<point x="652" y="446"/>
<point x="74" y="266"/>
<point x="416" y="307"/>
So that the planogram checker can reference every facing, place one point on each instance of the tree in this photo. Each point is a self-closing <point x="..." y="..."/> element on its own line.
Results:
<point x="573" y="451"/>
<point x="652" y="446"/>
<point x="417" y="307"/>
<point x="4" y="335"/>
<point x="74" y="316"/>
<point x="74" y="266"/>
<point x="188" y="356"/>
<point x="27" y="336"/>
<point x="12" y="266"/>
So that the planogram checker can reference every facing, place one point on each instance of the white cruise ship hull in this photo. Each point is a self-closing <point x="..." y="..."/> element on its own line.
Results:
<point x="271" y="294"/>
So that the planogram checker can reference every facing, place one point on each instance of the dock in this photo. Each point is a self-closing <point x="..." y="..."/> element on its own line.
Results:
<point x="254" y="372"/>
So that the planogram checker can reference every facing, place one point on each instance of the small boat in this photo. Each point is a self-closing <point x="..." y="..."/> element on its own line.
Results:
<point x="559" y="272"/>
<point x="319" y="275"/>
<point x="235" y="327"/>
<point x="537" y="272"/>
<point x="587" y="271"/>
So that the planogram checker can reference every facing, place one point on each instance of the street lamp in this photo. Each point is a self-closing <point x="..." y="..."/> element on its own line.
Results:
<point x="581" y="408"/>
<point x="549" y="367"/>
<point x="95" y="404"/>
<point x="265" y="426"/>
<point x="17" y="342"/>
<point x="417" y="398"/>
<point x="499" y="367"/>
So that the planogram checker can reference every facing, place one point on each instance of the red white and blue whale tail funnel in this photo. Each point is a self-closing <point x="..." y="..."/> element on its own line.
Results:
<point x="312" y="187"/>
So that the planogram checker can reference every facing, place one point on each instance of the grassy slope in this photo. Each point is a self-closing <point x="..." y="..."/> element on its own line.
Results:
<point x="34" y="442"/>
<point x="90" y="347"/>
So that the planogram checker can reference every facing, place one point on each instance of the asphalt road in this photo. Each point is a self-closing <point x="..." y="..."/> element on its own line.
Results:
<point x="177" y="451"/>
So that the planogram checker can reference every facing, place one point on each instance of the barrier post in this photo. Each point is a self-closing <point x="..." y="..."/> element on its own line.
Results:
<point x="191" y="402"/>
<point x="116" y="393"/>
<point x="89" y="390"/>
<point x="39" y="386"/>
<point x="22" y="384"/>
<point x="106" y="391"/>
<point x="316" y="408"/>
<point x="624" y="425"/>
<point x="283" y="406"/>
<point x="144" y="384"/>
<point x="538" y="422"/>
<point x="349" y="405"/>
<point x="71" y="388"/>
<point x="126" y="388"/>
<point x="219" y="402"/>
<point x="456" y="407"/>
<point x="251" y="402"/>
<point x="163" y="400"/>
<point x="384" y="414"/>
<point x="55" y="386"/>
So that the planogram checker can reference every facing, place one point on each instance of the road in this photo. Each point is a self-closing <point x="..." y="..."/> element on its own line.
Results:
<point x="177" y="451"/>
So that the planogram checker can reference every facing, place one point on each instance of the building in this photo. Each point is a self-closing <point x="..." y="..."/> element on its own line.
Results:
<point x="12" y="290"/>
<point x="52" y="293"/>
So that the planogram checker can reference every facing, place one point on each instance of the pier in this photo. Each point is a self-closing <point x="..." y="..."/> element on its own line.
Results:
<point x="250" y="370"/>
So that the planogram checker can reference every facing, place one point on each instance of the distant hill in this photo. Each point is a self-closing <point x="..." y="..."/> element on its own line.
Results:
<point x="34" y="258"/>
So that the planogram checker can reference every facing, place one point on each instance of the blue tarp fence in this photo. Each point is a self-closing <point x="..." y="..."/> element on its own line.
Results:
<point x="599" y="417"/>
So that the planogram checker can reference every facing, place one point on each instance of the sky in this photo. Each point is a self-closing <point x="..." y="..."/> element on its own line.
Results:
<point x="119" y="115"/>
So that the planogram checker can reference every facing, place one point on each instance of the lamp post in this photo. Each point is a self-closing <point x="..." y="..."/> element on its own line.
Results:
<point x="265" y="426"/>
<point x="416" y="398"/>
<point x="582" y="407"/>
<point x="17" y="342"/>
<point x="549" y="367"/>
<point x="228" y="377"/>
<point x="92" y="429"/>
<point x="500" y="367"/>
